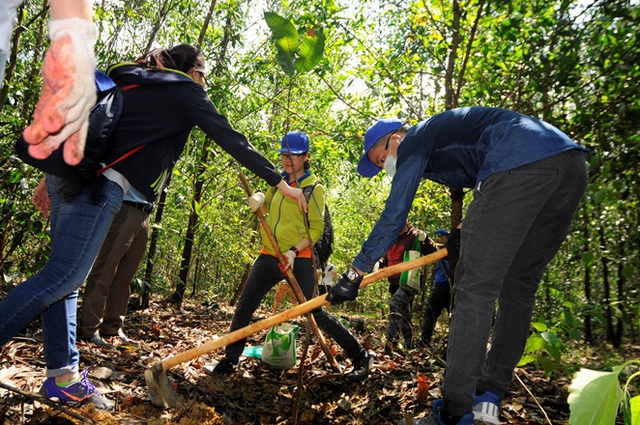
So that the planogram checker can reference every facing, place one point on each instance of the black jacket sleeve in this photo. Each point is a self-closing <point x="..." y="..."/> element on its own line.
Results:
<point x="217" y="127"/>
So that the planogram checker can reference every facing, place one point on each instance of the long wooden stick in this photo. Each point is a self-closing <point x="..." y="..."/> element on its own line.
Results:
<point x="299" y="310"/>
<point x="291" y="279"/>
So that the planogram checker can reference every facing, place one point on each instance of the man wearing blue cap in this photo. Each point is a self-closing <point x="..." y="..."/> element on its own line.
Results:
<point x="528" y="179"/>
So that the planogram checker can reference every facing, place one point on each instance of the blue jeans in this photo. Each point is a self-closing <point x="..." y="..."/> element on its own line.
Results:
<point x="513" y="228"/>
<point x="264" y="275"/>
<point x="80" y="219"/>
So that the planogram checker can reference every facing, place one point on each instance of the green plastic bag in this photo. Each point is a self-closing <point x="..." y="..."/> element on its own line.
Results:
<point x="280" y="346"/>
<point x="410" y="279"/>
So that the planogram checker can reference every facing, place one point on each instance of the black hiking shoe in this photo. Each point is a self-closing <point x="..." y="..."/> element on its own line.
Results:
<point x="361" y="367"/>
<point x="97" y="340"/>
<point x="224" y="367"/>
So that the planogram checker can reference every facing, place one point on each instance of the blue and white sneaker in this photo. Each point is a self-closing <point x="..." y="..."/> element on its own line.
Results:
<point x="486" y="408"/>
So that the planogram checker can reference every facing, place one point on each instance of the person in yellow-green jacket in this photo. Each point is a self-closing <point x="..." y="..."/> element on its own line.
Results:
<point x="286" y="221"/>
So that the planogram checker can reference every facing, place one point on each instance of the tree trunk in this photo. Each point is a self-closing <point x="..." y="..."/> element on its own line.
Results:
<point x="588" y="331"/>
<point x="606" y="289"/>
<point x="163" y="11"/>
<point x="181" y="286"/>
<point x="187" y="250"/>
<point x="153" y="244"/>
<point x="617" y="336"/>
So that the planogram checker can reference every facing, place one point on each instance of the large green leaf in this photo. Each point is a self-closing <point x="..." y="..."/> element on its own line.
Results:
<point x="311" y="50"/>
<point x="285" y="37"/>
<point x="594" y="397"/>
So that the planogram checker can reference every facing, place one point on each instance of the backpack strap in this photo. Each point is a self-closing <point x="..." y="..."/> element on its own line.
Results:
<point x="132" y="151"/>
<point x="124" y="156"/>
<point x="307" y="191"/>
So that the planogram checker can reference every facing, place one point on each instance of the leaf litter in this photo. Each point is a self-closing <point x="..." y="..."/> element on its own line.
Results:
<point x="403" y="382"/>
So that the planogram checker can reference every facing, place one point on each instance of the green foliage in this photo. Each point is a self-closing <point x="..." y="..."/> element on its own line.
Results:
<point x="544" y="348"/>
<point x="631" y="405"/>
<point x="594" y="397"/>
<point x="337" y="67"/>
<point x="294" y="55"/>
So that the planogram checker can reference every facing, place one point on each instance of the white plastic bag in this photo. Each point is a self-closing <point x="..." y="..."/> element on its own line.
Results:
<point x="280" y="346"/>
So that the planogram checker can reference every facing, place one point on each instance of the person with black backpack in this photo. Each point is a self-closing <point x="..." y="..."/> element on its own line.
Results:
<point x="82" y="211"/>
<point x="287" y="222"/>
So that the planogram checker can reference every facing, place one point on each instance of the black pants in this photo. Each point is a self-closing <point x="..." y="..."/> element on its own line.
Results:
<point x="439" y="299"/>
<point x="264" y="275"/>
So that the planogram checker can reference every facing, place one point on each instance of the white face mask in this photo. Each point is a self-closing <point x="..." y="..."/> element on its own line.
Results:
<point x="390" y="165"/>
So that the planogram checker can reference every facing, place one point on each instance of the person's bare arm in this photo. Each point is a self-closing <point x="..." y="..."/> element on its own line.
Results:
<point x="62" y="9"/>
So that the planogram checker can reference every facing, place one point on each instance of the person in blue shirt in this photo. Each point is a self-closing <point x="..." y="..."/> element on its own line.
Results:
<point x="440" y="296"/>
<point x="528" y="178"/>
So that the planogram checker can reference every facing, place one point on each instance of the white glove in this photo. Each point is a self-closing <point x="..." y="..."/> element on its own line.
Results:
<point x="290" y="257"/>
<point x="422" y="236"/>
<point x="68" y="92"/>
<point x="255" y="201"/>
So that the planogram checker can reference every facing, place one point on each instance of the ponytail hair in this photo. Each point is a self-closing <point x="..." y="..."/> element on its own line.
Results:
<point x="183" y="57"/>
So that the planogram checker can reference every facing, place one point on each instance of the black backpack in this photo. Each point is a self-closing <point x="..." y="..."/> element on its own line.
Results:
<point x="102" y="122"/>
<point x="324" y="246"/>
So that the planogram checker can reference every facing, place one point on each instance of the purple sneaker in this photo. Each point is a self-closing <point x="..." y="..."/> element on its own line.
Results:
<point x="79" y="392"/>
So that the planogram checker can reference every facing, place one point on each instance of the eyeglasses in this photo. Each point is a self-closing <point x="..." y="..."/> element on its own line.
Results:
<point x="386" y="144"/>
<point x="284" y="155"/>
<point x="204" y="77"/>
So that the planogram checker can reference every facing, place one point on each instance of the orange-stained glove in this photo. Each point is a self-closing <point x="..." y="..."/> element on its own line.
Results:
<point x="68" y="92"/>
<point x="40" y="198"/>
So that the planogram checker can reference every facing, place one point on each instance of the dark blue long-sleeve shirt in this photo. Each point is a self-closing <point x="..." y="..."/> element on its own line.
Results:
<point x="459" y="148"/>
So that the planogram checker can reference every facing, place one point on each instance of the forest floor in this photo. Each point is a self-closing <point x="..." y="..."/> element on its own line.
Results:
<point x="403" y="383"/>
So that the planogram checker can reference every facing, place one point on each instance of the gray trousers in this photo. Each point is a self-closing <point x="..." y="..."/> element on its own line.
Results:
<point x="513" y="228"/>
<point x="106" y="295"/>
<point x="264" y="275"/>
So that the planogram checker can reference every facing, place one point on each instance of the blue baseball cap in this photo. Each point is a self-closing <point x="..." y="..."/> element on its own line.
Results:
<point x="384" y="126"/>
<point x="441" y="232"/>
<point x="298" y="143"/>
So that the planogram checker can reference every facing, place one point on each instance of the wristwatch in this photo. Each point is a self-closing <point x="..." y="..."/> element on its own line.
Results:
<point x="352" y="274"/>
<point x="294" y="249"/>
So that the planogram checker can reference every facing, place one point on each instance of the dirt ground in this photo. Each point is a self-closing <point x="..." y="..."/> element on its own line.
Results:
<point x="400" y="384"/>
